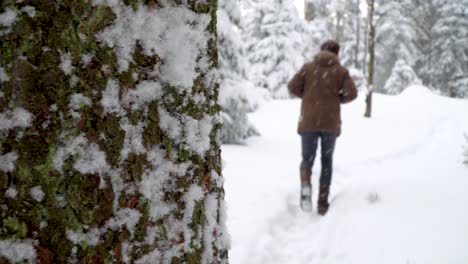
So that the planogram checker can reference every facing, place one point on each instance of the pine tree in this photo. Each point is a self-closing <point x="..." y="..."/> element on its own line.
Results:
<point x="439" y="34"/>
<point x="394" y="41"/>
<point x="238" y="96"/>
<point x="402" y="76"/>
<point x="346" y="27"/>
<point x="389" y="39"/>
<point x="336" y="19"/>
<point x="110" y="133"/>
<point x="449" y="47"/>
<point x="315" y="9"/>
<point x="459" y="84"/>
<point x="422" y="15"/>
<point x="274" y="45"/>
<point x="313" y="33"/>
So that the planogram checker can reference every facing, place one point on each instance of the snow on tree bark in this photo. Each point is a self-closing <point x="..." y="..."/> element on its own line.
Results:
<point x="110" y="133"/>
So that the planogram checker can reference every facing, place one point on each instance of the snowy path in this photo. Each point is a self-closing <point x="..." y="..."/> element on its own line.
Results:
<point x="408" y="156"/>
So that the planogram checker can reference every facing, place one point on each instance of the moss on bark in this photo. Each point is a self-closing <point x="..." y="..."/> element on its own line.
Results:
<point x="32" y="55"/>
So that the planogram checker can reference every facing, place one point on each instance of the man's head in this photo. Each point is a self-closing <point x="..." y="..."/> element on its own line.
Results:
<point x="331" y="45"/>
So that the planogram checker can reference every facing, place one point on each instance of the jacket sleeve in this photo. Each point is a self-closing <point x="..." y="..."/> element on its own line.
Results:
<point x="296" y="84"/>
<point x="348" y="92"/>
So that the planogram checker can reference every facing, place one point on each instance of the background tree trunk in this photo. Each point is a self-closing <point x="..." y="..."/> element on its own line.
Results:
<point x="366" y="48"/>
<point x="309" y="12"/>
<point x="371" y="43"/>
<point x="101" y="161"/>
<point x="339" y="26"/>
<point x="358" y="34"/>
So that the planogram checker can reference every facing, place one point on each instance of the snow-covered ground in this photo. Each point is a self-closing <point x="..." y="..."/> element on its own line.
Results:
<point x="399" y="194"/>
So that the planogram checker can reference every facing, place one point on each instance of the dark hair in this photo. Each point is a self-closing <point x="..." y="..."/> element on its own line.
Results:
<point x="331" y="45"/>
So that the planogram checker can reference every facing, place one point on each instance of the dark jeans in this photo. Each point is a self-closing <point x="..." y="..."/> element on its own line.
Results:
<point x="309" y="149"/>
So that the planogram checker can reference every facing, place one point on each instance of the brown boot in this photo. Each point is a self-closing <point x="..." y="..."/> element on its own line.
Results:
<point x="306" y="175"/>
<point x="306" y="190"/>
<point x="323" y="199"/>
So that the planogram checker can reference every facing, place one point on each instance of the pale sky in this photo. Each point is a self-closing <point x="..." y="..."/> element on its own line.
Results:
<point x="300" y="7"/>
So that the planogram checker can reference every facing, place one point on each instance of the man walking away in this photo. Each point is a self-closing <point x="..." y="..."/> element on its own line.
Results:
<point x="323" y="85"/>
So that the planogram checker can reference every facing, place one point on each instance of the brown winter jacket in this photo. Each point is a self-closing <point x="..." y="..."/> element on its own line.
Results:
<point x="322" y="84"/>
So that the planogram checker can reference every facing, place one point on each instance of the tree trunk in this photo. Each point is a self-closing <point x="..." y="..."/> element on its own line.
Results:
<point x="109" y="150"/>
<point x="309" y="12"/>
<point x="339" y="26"/>
<point x="366" y="47"/>
<point x="358" y="34"/>
<point x="431" y="20"/>
<point x="371" y="43"/>
<point x="429" y="72"/>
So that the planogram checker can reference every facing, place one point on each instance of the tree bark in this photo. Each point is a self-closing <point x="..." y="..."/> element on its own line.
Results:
<point x="90" y="172"/>
<point x="371" y="44"/>
<point x="339" y="26"/>
<point x="366" y="47"/>
<point x="358" y="34"/>
<point x="309" y="12"/>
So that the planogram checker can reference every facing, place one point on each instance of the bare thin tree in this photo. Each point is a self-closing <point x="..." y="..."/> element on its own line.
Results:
<point x="371" y="51"/>
<point x="358" y="34"/>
